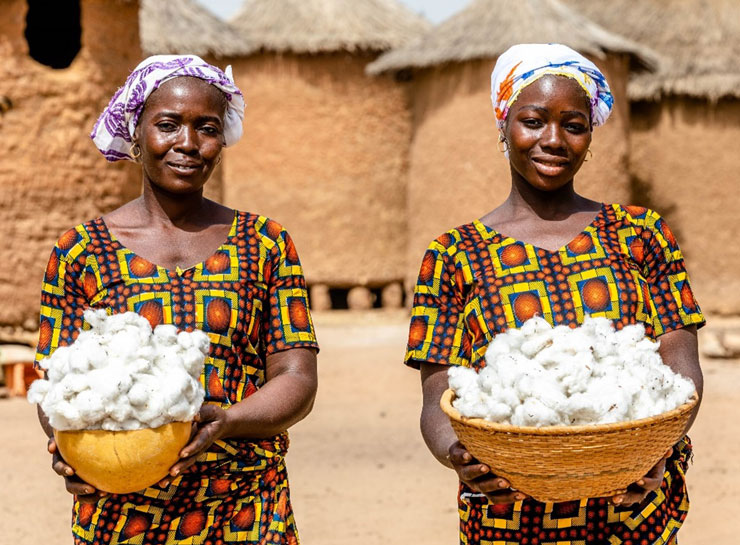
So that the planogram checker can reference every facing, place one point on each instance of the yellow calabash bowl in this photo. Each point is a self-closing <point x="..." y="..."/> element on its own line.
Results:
<point x="121" y="462"/>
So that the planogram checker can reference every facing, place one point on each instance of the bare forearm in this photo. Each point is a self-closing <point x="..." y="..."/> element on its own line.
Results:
<point x="283" y="400"/>
<point x="438" y="434"/>
<point x="44" y="421"/>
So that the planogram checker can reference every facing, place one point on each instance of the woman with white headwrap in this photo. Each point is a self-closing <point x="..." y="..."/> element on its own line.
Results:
<point x="548" y="251"/>
<point x="176" y="257"/>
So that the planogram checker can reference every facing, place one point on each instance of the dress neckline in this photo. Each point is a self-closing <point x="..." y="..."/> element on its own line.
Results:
<point x="177" y="270"/>
<point x="489" y="232"/>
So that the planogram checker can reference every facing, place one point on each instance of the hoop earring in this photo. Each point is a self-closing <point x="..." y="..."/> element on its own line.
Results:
<point x="502" y="140"/>
<point x="135" y="151"/>
<point x="589" y="156"/>
<point x="218" y="159"/>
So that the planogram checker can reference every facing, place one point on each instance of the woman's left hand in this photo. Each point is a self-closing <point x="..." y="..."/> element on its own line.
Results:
<point x="209" y="425"/>
<point x="638" y="491"/>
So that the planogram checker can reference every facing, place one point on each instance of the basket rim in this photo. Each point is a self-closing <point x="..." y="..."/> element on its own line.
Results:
<point x="587" y="429"/>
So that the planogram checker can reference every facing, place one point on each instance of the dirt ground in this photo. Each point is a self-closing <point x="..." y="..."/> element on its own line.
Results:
<point x="360" y="473"/>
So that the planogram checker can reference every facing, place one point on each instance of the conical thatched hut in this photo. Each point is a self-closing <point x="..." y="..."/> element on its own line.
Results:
<point x="325" y="146"/>
<point x="686" y="128"/>
<point x="59" y="64"/>
<point x="456" y="172"/>
<point x="184" y="26"/>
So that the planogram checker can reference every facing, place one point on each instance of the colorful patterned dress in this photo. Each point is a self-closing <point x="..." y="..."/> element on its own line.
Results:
<point x="475" y="283"/>
<point x="250" y="296"/>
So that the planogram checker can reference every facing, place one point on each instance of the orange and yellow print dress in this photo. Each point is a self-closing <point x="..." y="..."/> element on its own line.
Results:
<point x="250" y="297"/>
<point x="475" y="283"/>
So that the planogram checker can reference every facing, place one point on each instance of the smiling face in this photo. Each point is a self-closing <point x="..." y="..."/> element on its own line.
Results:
<point x="548" y="130"/>
<point x="181" y="133"/>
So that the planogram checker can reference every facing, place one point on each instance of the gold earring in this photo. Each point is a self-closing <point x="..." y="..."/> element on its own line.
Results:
<point x="502" y="140"/>
<point x="589" y="156"/>
<point x="135" y="151"/>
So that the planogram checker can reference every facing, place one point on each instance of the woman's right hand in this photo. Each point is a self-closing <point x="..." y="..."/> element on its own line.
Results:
<point x="85" y="492"/>
<point x="480" y="478"/>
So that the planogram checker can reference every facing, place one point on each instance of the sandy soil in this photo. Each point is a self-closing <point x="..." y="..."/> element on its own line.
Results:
<point x="360" y="473"/>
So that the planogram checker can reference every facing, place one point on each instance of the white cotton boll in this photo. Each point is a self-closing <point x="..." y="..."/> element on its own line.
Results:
<point x="488" y="379"/>
<point x="499" y="346"/>
<point x="682" y="389"/>
<point x="581" y="409"/>
<point x="536" y="413"/>
<point x="630" y="335"/>
<point x="534" y="344"/>
<point x="121" y="410"/>
<point x="109" y="424"/>
<point x="90" y="405"/>
<point x="180" y="412"/>
<point x="535" y="325"/>
<point x="470" y="406"/>
<point x="124" y="344"/>
<point x="38" y="390"/>
<point x="95" y="319"/>
<point x="574" y="372"/>
<point x="193" y="360"/>
<point x="496" y="411"/>
<point x="461" y="379"/>
<point x="167" y="359"/>
<point x="165" y="335"/>
<point x="201" y="341"/>
<point x="130" y="425"/>
<point x="71" y="385"/>
<point x="184" y="339"/>
<point x="550" y="393"/>
<point x="100" y="382"/>
<point x="514" y="338"/>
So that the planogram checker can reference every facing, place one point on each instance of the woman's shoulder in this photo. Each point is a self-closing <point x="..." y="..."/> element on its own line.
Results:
<point x="635" y="215"/>
<point x="78" y="239"/>
<point x="264" y="229"/>
<point x="460" y="238"/>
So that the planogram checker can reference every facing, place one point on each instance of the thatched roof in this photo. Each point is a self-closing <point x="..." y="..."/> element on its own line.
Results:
<point x="486" y="28"/>
<point x="700" y="40"/>
<point x="183" y="26"/>
<point x="316" y="26"/>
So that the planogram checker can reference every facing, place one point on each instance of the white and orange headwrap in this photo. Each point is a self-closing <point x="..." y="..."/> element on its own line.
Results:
<point x="523" y="64"/>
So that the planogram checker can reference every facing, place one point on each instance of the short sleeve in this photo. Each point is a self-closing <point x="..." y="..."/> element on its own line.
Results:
<point x="672" y="300"/>
<point x="437" y="333"/>
<point x="288" y="321"/>
<point x="63" y="299"/>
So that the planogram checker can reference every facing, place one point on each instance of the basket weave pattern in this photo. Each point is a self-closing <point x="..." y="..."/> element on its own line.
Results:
<point x="563" y="463"/>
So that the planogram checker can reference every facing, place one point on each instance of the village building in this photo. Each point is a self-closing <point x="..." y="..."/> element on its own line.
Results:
<point x="60" y="62"/>
<point x="325" y="147"/>
<point x="685" y="122"/>
<point x="456" y="172"/>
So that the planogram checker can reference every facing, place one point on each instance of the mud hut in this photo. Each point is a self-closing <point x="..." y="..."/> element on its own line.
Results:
<point x="59" y="64"/>
<point x="685" y="130"/>
<point x="456" y="173"/>
<point x="325" y="146"/>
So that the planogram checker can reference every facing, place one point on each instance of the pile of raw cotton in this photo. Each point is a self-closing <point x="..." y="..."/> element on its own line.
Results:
<point x="541" y="375"/>
<point x="121" y="375"/>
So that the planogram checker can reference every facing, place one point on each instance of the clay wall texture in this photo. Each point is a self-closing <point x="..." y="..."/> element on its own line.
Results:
<point x="324" y="153"/>
<point x="456" y="172"/>
<point x="686" y="154"/>
<point x="51" y="175"/>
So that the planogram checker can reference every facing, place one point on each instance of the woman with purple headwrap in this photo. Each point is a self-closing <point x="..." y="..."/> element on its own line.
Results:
<point x="548" y="251"/>
<point x="175" y="257"/>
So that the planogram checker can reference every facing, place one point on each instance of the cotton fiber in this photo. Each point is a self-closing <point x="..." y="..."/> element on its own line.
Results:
<point x="121" y="375"/>
<point x="540" y="375"/>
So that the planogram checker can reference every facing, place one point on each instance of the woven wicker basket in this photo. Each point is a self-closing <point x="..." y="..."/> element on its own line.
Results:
<point x="563" y="463"/>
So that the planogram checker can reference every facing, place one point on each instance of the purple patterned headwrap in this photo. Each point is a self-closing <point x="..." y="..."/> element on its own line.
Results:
<point x="113" y="131"/>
